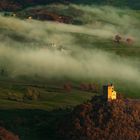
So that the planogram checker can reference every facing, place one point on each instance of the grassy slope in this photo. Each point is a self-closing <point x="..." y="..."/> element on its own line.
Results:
<point x="135" y="4"/>
<point x="55" y="99"/>
<point x="52" y="97"/>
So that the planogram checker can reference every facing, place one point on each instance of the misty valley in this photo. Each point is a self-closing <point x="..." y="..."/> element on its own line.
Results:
<point x="54" y="62"/>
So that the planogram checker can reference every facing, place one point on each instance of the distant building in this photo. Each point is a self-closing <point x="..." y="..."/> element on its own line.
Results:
<point x="29" y="17"/>
<point x="109" y="92"/>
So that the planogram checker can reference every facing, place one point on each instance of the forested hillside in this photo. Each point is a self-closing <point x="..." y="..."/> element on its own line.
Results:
<point x="19" y="4"/>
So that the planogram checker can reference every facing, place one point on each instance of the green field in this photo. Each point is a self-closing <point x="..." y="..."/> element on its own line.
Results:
<point x="84" y="53"/>
<point x="51" y="97"/>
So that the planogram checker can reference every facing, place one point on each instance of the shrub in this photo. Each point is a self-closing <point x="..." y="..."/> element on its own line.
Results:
<point x="67" y="87"/>
<point x="32" y="94"/>
<point x="14" y="97"/>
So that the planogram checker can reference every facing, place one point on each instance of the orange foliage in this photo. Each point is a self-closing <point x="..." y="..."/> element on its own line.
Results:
<point x="67" y="87"/>
<point x="89" y="87"/>
<point x="101" y="120"/>
<point x="6" y="135"/>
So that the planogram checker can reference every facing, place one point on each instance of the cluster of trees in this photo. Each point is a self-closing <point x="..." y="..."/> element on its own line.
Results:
<point x="90" y="87"/>
<point x="30" y="94"/>
<point x="8" y="5"/>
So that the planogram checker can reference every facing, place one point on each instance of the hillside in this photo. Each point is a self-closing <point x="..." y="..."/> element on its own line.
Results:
<point x="101" y="120"/>
<point x="135" y="4"/>
<point x="89" y="46"/>
<point x="54" y="58"/>
<point x="14" y="5"/>
<point x="95" y="119"/>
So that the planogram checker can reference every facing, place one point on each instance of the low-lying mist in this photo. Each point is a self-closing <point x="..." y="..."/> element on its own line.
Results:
<point x="88" y="64"/>
<point x="50" y="50"/>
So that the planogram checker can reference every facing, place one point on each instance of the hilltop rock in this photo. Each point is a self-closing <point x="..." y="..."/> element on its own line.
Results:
<point x="101" y="120"/>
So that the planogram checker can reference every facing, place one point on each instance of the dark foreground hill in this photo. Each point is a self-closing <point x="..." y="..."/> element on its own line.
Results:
<point x="100" y="120"/>
<point x="94" y="120"/>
